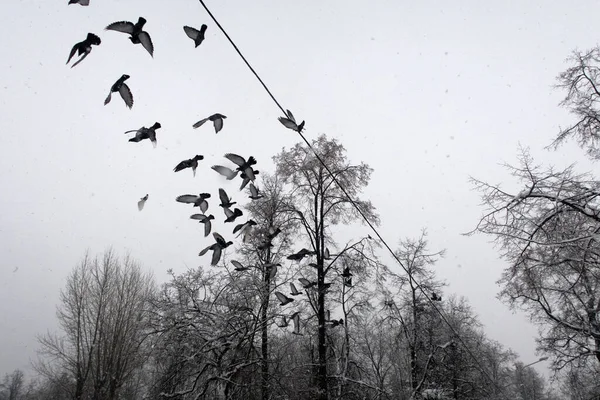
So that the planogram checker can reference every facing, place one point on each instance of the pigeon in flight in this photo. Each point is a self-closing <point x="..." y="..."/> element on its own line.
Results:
<point x="196" y="35"/>
<point x="272" y="268"/>
<point x="135" y="31"/>
<point x="294" y="291"/>
<point x="300" y="255"/>
<point x="197" y="201"/>
<point x="306" y="284"/>
<point x="204" y="220"/>
<point x="245" y="179"/>
<point x="84" y="48"/>
<point x="145" y="133"/>
<point x="254" y="193"/>
<point x="217" y="248"/>
<point x="239" y="266"/>
<point x="290" y="122"/>
<point x="244" y="229"/>
<point x="191" y="163"/>
<point x="217" y="120"/>
<point x="225" y="200"/>
<point x="121" y="87"/>
<point x="226" y="172"/>
<point x="284" y="300"/>
<point x="142" y="202"/>
<point x="232" y="215"/>
<point x="80" y="2"/>
<point x="296" y="319"/>
<point x="243" y="165"/>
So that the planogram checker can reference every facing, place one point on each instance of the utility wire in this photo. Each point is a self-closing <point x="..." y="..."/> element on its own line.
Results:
<point x="417" y="284"/>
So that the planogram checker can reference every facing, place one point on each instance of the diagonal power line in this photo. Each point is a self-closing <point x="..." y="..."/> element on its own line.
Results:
<point x="417" y="284"/>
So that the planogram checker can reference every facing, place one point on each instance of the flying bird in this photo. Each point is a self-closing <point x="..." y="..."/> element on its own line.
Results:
<point x="225" y="200"/>
<point x="191" y="163"/>
<point x="142" y="202"/>
<point x="284" y="300"/>
<point x="244" y="229"/>
<point x="121" y="87"/>
<point x="306" y="284"/>
<point x="296" y="319"/>
<point x="145" y="133"/>
<point x="346" y="273"/>
<point x="84" y="48"/>
<point x="294" y="291"/>
<point x="243" y="166"/>
<point x="300" y="255"/>
<point x="269" y="238"/>
<point x="135" y="32"/>
<point x="290" y="122"/>
<point x="435" y="297"/>
<point x="232" y="215"/>
<point x="245" y="179"/>
<point x="217" y="120"/>
<point x="272" y="268"/>
<point x="197" y="201"/>
<point x="217" y="248"/>
<point x="80" y="2"/>
<point x="254" y="193"/>
<point x="204" y="220"/>
<point x="239" y="266"/>
<point x="196" y="35"/>
<point x="226" y="172"/>
<point x="334" y="323"/>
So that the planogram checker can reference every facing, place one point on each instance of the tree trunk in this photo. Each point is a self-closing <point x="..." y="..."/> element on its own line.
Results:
<point x="264" y="364"/>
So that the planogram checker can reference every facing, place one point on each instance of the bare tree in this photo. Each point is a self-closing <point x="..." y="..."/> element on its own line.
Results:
<point x="12" y="385"/>
<point x="103" y="317"/>
<point x="319" y="203"/>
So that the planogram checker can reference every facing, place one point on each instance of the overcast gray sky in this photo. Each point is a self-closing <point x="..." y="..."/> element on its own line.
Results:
<point x="425" y="92"/>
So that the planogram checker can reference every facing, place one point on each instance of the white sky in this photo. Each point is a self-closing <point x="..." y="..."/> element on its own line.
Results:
<point x="425" y="92"/>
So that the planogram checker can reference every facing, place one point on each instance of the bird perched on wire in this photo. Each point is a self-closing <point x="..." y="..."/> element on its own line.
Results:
<point x="191" y="163"/>
<point x="142" y="202"/>
<point x="121" y="87"/>
<point x="80" y="2"/>
<point x="242" y="165"/>
<point x="135" y="31"/>
<point x="196" y="35"/>
<point x="145" y="133"/>
<point x="197" y="201"/>
<point x="217" y="248"/>
<point x="217" y="120"/>
<point x="290" y="122"/>
<point x="84" y="48"/>
<point x="204" y="219"/>
<point x="284" y="300"/>
<point x="254" y="192"/>
<point x="225" y="199"/>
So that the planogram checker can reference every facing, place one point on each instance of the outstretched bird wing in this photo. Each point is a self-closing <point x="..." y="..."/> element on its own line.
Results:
<point x="121" y="26"/>
<point x="191" y="32"/>
<point x="126" y="95"/>
<point x="283" y="298"/>
<point x="146" y="42"/>
<point x="187" y="198"/>
<point x="218" y="123"/>
<point x="234" y="158"/>
<point x="216" y="255"/>
<point x="226" y="172"/>
<point x="200" y="123"/>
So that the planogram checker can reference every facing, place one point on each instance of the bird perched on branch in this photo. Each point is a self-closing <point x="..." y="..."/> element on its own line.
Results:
<point x="217" y="248"/>
<point x="145" y="133"/>
<point x="197" y="201"/>
<point x="191" y="163"/>
<point x="84" y="48"/>
<point x="121" y="87"/>
<point x="196" y="35"/>
<point x="135" y="31"/>
<point x="204" y="220"/>
<point x="217" y="120"/>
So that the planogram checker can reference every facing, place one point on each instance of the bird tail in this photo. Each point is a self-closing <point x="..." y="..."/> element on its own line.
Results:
<point x="108" y="98"/>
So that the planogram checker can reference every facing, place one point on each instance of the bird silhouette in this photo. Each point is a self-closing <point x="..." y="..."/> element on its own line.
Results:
<point x="191" y="163"/>
<point x="80" y="2"/>
<point x="204" y="219"/>
<point x="246" y="180"/>
<point x="272" y="269"/>
<point x="300" y="255"/>
<point x="294" y="291"/>
<point x="225" y="199"/>
<point x="296" y="320"/>
<point x="239" y="266"/>
<point x="284" y="300"/>
<point x="136" y="33"/>
<point x="217" y="248"/>
<point x="243" y="166"/>
<point x="244" y="229"/>
<point x="217" y="120"/>
<point x="254" y="192"/>
<point x="121" y="87"/>
<point x="435" y="297"/>
<point x="290" y="122"/>
<point x="196" y="35"/>
<point x="145" y="133"/>
<point x="348" y="281"/>
<point x="306" y="284"/>
<point x="334" y="323"/>
<point x="346" y="273"/>
<point x="197" y="201"/>
<point x="142" y="202"/>
<point x="226" y="172"/>
<point x="232" y="215"/>
<point x="84" y="48"/>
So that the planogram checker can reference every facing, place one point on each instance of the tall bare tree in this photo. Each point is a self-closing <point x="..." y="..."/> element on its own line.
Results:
<point x="103" y="315"/>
